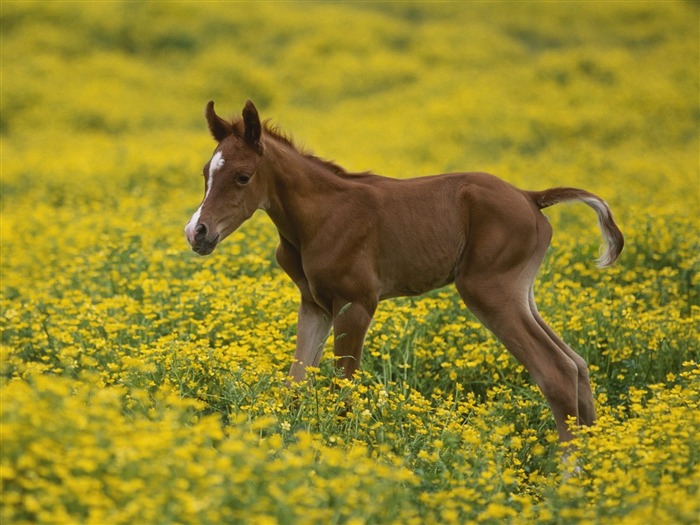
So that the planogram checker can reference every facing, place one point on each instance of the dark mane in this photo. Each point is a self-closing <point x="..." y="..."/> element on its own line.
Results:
<point x="274" y="132"/>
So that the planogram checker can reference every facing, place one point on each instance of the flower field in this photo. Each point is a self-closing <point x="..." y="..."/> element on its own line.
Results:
<point x="142" y="383"/>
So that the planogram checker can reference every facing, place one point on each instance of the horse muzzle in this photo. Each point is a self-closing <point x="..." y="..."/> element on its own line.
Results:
<point x="200" y="239"/>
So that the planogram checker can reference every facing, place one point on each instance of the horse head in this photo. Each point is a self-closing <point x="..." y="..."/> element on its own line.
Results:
<point x="232" y="191"/>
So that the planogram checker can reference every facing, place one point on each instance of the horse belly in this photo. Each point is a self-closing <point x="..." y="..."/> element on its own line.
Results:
<point x="417" y="263"/>
<point x="420" y="226"/>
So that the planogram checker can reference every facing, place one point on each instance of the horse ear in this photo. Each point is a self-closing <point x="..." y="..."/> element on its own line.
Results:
<point x="220" y="129"/>
<point x="253" y="130"/>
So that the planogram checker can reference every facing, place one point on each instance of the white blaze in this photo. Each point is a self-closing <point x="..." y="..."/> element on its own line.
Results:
<point x="215" y="164"/>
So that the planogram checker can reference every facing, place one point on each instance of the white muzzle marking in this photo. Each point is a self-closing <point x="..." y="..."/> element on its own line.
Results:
<point x="215" y="164"/>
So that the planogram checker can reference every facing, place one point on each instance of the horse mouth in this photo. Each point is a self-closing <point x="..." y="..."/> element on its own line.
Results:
<point x="205" y="247"/>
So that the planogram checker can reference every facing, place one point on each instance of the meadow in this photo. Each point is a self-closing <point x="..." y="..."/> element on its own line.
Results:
<point x="141" y="383"/>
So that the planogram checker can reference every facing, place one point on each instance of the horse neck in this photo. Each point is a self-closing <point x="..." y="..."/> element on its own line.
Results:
<point x="298" y="191"/>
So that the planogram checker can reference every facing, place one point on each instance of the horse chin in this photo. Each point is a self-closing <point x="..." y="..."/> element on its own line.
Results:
<point x="205" y="247"/>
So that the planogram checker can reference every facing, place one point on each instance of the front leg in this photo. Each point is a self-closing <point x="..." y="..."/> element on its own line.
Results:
<point x="312" y="331"/>
<point x="351" y="321"/>
<point x="314" y="323"/>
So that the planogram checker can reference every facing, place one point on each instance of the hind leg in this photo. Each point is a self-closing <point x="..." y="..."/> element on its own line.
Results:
<point x="586" y="407"/>
<point x="507" y="241"/>
<point x="501" y="302"/>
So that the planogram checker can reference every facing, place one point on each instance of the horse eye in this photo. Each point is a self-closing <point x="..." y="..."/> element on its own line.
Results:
<point x="242" y="179"/>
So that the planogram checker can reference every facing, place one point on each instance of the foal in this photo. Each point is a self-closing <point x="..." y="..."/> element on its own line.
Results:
<point x="350" y="240"/>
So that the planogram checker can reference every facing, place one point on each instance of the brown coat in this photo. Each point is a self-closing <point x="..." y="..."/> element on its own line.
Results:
<point x="350" y="240"/>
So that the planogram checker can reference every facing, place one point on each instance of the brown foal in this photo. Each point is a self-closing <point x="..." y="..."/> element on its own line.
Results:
<point x="350" y="240"/>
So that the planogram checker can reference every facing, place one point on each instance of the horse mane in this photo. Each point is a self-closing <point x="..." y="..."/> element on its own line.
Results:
<point x="275" y="132"/>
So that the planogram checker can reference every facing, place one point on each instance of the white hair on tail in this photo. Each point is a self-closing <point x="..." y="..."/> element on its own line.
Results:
<point x="603" y="212"/>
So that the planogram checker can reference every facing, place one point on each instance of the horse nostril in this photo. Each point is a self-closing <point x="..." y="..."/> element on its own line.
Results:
<point x="200" y="231"/>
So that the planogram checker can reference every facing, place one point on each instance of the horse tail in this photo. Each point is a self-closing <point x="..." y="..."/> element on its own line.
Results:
<point x="611" y="233"/>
